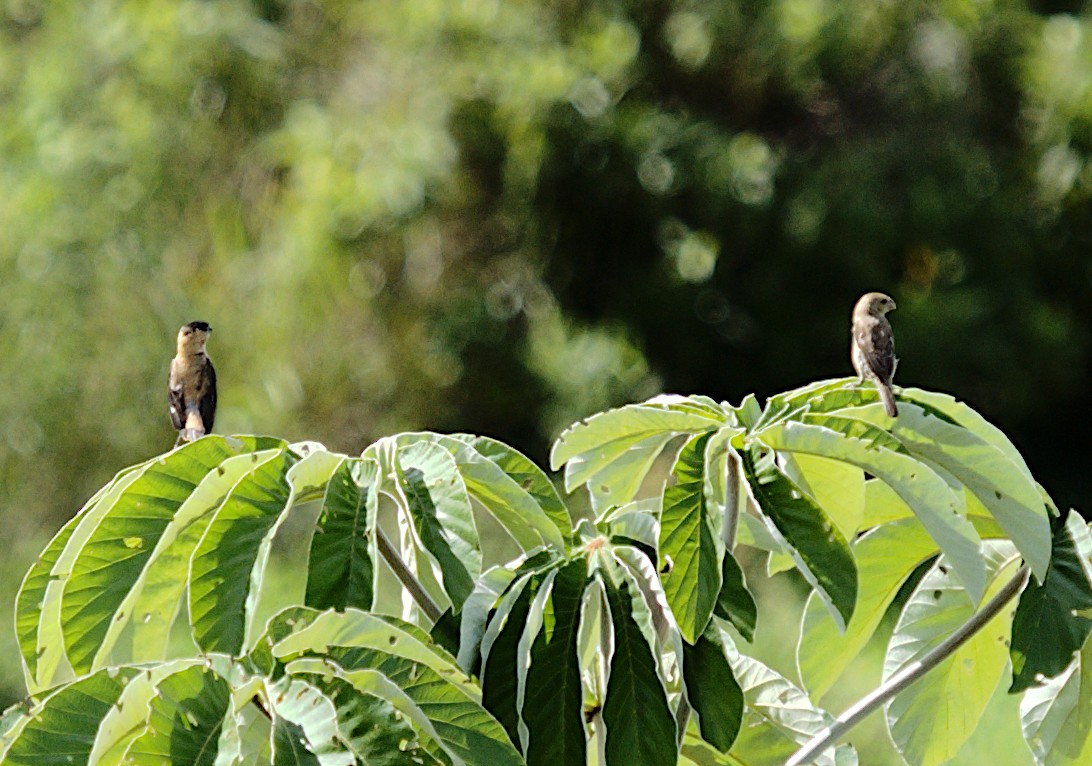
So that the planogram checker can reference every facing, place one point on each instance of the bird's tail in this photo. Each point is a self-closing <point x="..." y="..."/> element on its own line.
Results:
<point x="194" y="428"/>
<point x="887" y="398"/>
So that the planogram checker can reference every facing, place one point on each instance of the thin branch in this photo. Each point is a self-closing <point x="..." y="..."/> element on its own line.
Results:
<point x="909" y="674"/>
<point x="405" y="576"/>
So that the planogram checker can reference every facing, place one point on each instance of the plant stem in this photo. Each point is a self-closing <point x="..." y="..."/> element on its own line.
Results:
<point x="909" y="674"/>
<point x="405" y="576"/>
<point x="731" y="501"/>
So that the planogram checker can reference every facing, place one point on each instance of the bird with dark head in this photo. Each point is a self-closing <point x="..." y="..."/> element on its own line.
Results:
<point x="192" y="384"/>
<point x="873" y="346"/>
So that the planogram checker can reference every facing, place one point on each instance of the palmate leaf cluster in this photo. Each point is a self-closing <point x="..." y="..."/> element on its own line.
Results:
<point x="437" y="600"/>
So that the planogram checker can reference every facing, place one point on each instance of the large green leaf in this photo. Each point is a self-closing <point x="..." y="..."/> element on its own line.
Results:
<point x="141" y="628"/>
<point x="437" y="500"/>
<point x="369" y="726"/>
<point x="713" y="691"/>
<point x="935" y="504"/>
<point x="115" y="553"/>
<point x="1010" y="494"/>
<point x="184" y="720"/>
<point x="613" y="451"/>
<point x="500" y="644"/>
<point x="640" y="727"/>
<point x="836" y="487"/>
<point x="61" y="729"/>
<point x="221" y="589"/>
<point x="1054" y="717"/>
<point x="305" y="725"/>
<point x="1057" y="609"/>
<point x="690" y="547"/>
<point x="930" y="722"/>
<point x="528" y="475"/>
<point x="340" y="571"/>
<point x="553" y="700"/>
<point x="40" y="598"/>
<point x="821" y="553"/>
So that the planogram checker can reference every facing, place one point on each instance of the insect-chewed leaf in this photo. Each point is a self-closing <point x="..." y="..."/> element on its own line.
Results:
<point x="305" y="725"/>
<point x="885" y="557"/>
<point x="821" y="553"/>
<point x="936" y="505"/>
<point x="340" y="572"/>
<point x="184" y="720"/>
<point x="553" y="706"/>
<point x="613" y="451"/>
<point x="689" y="540"/>
<point x="640" y="727"/>
<point x="932" y="720"/>
<point x="112" y="559"/>
<point x="439" y="505"/>
<point x="62" y="727"/>
<point x="1058" y="608"/>
<point x="221" y="570"/>
<point x="1054" y="716"/>
<point x="713" y="691"/>
<point x="1003" y="486"/>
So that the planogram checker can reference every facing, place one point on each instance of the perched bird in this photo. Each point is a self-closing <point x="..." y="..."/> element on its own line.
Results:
<point x="192" y="384"/>
<point x="873" y="347"/>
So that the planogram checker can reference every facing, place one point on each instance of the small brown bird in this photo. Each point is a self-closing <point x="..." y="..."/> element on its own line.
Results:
<point x="192" y="384"/>
<point x="873" y="347"/>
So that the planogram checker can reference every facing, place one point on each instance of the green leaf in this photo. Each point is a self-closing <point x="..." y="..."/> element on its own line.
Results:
<point x="1054" y="717"/>
<point x="220" y="586"/>
<point x="1054" y="609"/>
<point x="778" y="717"/>
<point x="373" y="729"/>
<point x="689" y="543"/>
<point x="114" y="556"/>
<point x="934" y="503"/>
<point x="713" y="691"/>
<point x="734" y="602"/>
<point x="61" y="729"/>
<point x="640" y="727"/>
<point x="1010" y="494"/>
<point x="836" y="487"/>
<point x="32" y="635"/>
<point x="305" y="726"/>
<point x="290" y="745"/>
<point x="613" y="451"/>
<point x="500" y="644"/>
<point x="930" y="722"/>
<point x="529" y="476"/>
<point x="340" y="572"/>
<point x="821" y="553"/>
<point x="885" y="557"/>
<point x="438" y="503"/>
<point x="553" y="704"/>
<point x="185" y="718"/>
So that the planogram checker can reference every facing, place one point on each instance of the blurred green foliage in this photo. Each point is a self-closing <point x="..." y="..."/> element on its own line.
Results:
<point x="503" y="216"/>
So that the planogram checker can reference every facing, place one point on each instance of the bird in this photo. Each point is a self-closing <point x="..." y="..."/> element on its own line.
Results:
<point x="873" y="347"/>
<point x="192" y="384"/>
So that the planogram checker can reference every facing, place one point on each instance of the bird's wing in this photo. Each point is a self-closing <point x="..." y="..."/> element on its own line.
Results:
<point x="177" y="402"/>
<point x="878" y="347"/>
<point x="208" y="400"/>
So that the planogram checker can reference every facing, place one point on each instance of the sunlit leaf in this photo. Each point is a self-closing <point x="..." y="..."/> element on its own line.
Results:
<point x="690" y="548"/>
<point x="340" y="572"/>
<point x="930" y="721"/>
<point x="937" y="507"/>
<point x="820" y="551"/>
